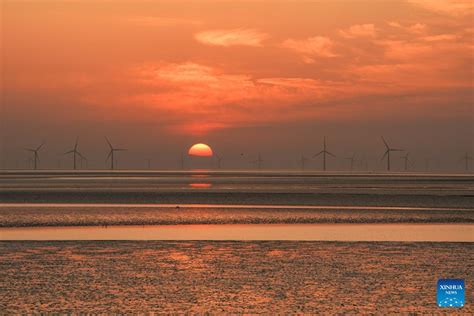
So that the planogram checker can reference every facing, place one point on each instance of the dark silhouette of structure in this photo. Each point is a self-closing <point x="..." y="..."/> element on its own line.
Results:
<point x="324" y="152"/>
<point x="29" y="163"/>
<point x="111" y="154"/>
<point x="352" y="160"/>
<point x="218" y="161"/>
<point x="406" y="160"/>
<point x="83" y="161"/>
<point x="35" y="154"/>
<point x="303" y="161"/>
<point x="427" y="164"/>
<point x="75" y="153"/>
<point x="387" y="153"/>
<point x="181" y="161"/>
<point x="466" y="158"/>
<point x="258" y="162"/>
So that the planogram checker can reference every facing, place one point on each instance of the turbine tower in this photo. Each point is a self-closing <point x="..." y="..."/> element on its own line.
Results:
<point x="324" y="152"/>
<point x="259" y="161"/>
<point x="387" y="153"/>
<point x="466" y="159"/>
<point x="218" y="160"/>
<point x="352" y="159"/>
<point x="35" y="154"/>
<point x="427" y="163"/>
<point x="112" y="152"/>
<point x="75" y="153"/>
<point x="181" y="161"/>
<point x="303" y="161"/>
<point x="82" y="160"/>
<point x="406" y="160"/>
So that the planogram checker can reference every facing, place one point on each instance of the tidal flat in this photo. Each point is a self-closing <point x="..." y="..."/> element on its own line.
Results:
<point x="230" y="276"/>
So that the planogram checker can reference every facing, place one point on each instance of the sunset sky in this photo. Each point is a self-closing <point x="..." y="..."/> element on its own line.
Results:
<point x="243" y="76"/>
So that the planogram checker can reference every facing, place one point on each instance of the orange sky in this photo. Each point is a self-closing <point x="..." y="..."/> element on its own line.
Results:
<point x="196" y="68"/>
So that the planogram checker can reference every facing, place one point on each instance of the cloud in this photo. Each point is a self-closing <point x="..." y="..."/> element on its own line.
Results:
<point x="417" y="28"/>
<point x="235" y="37"/>
<point x="359" y="30"/>
<point x="448" y="7"/>
<point x="394" y="24"/>
<point x="317" y="46"/>
<point x="440" y="37"/>
<point x="202" y="98"/>
<point x="156" y="21"/>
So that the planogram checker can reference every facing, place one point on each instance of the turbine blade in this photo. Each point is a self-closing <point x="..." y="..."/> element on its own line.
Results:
<point x="75" y="145"/>
<point x="121" y="149"/>
<point x="327" y="152"/>
<point x="386" y="145"/>
<point x="316" y="155"/>
<point x="109" y="155"/>
<point x="69" y="152"/>
<point x="39" y="147"/>
<point x="384" y="155"/>
<point x="396" y="149"/>
<point x="108" y="142"/>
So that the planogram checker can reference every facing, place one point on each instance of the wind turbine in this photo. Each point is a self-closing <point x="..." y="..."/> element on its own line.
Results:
<point x="218" y="160"/>
<point x="324" y="152"/>
<point x="259" y="161"/>
<point x="303" y="161"/>
<point x="364" y="164"/>
<point x="427" y="163"/>
<point x="75" y="153"/>
<point x="148" y="160"/>
<point x="352" y="159"/>
<point x="466" y="159"/>
<point x="29" y="162"/>
<point x="387" y="153"/>
<point x="406" y="160"/>
<point x="35" y="154"/>
<point x="181" y="161"/>
<point x="82" y="160"/>
<point x="111" y="153"/>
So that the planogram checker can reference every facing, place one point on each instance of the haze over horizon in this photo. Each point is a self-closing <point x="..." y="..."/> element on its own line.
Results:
<point x="273" y="77"/>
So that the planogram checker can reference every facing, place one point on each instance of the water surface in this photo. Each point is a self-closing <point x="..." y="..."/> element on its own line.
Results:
<point x="302" y="232"/>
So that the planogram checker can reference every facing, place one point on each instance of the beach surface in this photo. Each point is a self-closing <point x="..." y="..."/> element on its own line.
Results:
<point x="94" y="252"/>
<point x="88" y="198"/>
<point x="232" y="277"/>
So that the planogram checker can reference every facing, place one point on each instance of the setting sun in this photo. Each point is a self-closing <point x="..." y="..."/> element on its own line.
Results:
<point x="200" y="149"/>
<point x="342" y="156"/>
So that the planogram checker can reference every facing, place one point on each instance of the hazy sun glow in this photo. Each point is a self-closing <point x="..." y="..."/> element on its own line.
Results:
<point x="240" y="74"/>
<point x="201" y="150"/>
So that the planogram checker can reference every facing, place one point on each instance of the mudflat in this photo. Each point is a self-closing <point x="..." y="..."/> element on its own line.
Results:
<point x="230" y="276"/>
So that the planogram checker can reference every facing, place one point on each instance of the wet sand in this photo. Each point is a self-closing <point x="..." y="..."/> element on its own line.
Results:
<point x="38" y="215"/>
<point x="254" y="232"/>
<point x="233" y="277"/>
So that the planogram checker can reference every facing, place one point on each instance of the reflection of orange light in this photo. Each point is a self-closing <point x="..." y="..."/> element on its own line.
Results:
<point x="200" y="149"/>
<point x="200" y="185"/>
<point x="199" y="176"/>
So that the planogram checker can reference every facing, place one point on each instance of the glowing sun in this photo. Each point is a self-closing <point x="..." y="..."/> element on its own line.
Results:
<point x="200" y="149"/>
